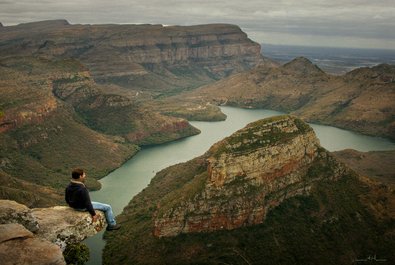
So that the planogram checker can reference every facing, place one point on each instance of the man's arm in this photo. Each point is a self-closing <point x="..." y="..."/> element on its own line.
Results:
<point x="65" y="196"/>
<point x="95" y="218"/>
<point x="87" y="202"/>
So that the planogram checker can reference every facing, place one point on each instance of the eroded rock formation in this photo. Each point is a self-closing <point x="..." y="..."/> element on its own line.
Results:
<point x="39" y="235"/>
<point x="118" y="53"/>
<point x="246" y="175"/>
<point x="20" y="246"/>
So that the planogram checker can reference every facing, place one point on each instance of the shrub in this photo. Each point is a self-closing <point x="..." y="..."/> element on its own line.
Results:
<point x="76" y="254"/>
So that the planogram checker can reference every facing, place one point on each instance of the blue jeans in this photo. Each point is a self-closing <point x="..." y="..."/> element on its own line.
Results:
<point x="107" y="212"/>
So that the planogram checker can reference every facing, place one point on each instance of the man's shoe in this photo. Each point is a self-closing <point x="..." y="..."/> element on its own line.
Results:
<point x="113" y="227"/>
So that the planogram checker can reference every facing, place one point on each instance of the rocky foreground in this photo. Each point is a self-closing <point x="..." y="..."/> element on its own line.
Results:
<point x="269" y="192"/>
<point x="38" y="236"/>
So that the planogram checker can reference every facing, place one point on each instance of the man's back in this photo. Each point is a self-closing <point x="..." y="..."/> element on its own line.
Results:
<point x="77" y="196"/>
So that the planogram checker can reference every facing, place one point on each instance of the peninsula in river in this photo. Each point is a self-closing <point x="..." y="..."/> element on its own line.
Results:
<point x="92" y="95"/>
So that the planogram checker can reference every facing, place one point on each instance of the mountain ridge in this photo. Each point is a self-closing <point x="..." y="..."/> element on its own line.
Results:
<point x="79" y="95"/>
<point x="212" y="209"/>
<point x="360" y="100"/>
<point x="140" y="56"/>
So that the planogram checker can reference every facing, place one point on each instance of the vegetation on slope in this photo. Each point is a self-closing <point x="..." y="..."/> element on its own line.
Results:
<point x="337" y="223"/>
<point x="361" y="100"/>
<point x="54" y="118"/>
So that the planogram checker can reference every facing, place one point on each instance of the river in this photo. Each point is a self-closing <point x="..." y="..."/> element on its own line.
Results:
<point x="120" y="186"/>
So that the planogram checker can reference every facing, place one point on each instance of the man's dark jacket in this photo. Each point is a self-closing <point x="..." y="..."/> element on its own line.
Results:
<point x="77" y="197"/>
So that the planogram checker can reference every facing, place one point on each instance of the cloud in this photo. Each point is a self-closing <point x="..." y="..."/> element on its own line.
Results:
<point x="336" y="19"/>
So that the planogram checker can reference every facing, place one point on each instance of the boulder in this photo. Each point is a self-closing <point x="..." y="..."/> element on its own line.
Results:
<point x="19" y="246"/>
<point x="39" y="235"/>
<point x="13" y="212"/>
<point x="63" y="225"/>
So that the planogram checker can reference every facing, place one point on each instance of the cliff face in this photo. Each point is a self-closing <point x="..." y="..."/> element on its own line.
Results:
<point x="81" y="91"/>
<point x="268" y="192"/>
<point x="139" y="55"/>
<point x="247" y="174"/>
<point x="361" y="100"/>
<point x="38" y="236"/>
<point x="55" y="117"/>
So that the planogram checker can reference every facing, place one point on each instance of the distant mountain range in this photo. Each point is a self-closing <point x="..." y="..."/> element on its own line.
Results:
<point x="333" y="60"/>
<point x="361" y="100"/>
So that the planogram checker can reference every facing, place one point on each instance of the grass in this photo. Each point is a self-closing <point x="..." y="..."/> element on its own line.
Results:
<point x="331" y="225"/>
<point x="253" y="136"/>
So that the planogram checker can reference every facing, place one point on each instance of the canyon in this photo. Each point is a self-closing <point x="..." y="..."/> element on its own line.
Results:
<point x="78" y="95"/>
<point x="142" y="57"/>
<point x="267" y="192"/>
<point x="92" y="95"/>
<point x="361" y="100"/>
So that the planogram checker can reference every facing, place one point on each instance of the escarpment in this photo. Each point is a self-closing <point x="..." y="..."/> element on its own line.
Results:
<point x="148" y="57"/>
<point x="246" y="175"/>
<point x="54" y="116"/>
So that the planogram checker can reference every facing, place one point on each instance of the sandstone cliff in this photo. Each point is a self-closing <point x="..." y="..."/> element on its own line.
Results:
<point x="54" y="117"/>
<point x="38" y="236"/>
<point x="247" y="174"/>
<point x="361" y="100"/>
<point x="269" y="193"/>
<point x="148" y="57"/>
<point x="54" y="114"/>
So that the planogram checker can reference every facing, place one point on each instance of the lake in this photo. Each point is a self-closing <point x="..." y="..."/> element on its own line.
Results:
<point x="120" y="186"/>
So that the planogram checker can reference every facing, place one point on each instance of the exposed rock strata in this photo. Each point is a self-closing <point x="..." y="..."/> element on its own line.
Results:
<point x="13" y="212"/>
<point x="132" y="54"/>
<point x="19" y="246"/>
<point x="54" y="117"/>
<point x="53" y="229"/>
<point x="246" y="175"/>
<point x="250" y="199"/>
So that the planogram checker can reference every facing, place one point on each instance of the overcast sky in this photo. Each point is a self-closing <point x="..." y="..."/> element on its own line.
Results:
<point x="341" y="23"/>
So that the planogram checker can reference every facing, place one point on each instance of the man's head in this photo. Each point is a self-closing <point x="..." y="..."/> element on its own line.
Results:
<point x="78" y="174"/>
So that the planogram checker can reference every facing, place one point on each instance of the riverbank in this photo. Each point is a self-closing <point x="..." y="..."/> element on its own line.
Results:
<point x="119" y="187"/>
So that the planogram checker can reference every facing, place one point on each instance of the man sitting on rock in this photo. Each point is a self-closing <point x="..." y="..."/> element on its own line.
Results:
<point x="77" y="197"/>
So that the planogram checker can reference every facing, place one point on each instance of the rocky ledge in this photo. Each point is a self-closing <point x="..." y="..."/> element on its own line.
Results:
<point x="39" y="235"/>
<point x="245" y="176"/>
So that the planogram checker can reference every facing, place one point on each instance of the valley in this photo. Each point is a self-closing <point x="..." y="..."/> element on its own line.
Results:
<point x="94" y="96"/>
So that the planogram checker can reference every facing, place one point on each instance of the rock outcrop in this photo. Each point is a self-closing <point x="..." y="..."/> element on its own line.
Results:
<point x="247" y="174"/>
<point x="13" y="212"/>
<point x="39" y="235"/>
<point x="61" y="83"/>
<point x="20" y="246"/>
<point x="48" y="107"/>
<point x="270" y="193"/>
